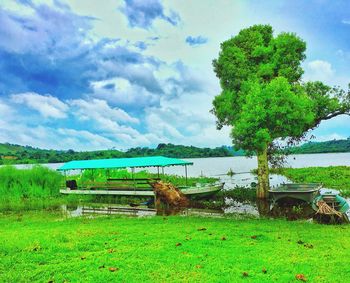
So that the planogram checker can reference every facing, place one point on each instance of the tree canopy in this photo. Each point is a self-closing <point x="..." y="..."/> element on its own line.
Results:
<point x="263" y="97"/>
<point x="260" y="96"/>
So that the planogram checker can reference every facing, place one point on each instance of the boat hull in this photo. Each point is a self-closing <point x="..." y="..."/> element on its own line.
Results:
<point x="192" y="192"/>
<point x="304" y="192"/>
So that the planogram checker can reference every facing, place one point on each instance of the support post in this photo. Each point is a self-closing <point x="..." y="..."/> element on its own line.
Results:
<point x="186" y="174"/>
<point x="133" y="177"/>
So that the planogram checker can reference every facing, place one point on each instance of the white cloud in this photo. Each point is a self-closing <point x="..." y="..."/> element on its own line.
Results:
<point x="321" y="70"/>
<point x="334" y="136"/>
<point x="95" y="109"/>
<point x="96" y="141"/>
<point x="120" y="91"/>
<point x="5" y="110"/>
<point x="346" y="22"/>
<point x="47" y="105"/>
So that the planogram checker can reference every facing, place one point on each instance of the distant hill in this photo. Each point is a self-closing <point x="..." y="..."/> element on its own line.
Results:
<point x="12" y="153"/>
<point x="322" y="147"/>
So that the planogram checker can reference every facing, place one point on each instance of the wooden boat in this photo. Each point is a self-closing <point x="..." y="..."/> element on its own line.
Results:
<point x="131" y="186"/>
<point x="203" y="191"/>
<point x="305" y="192"/>
<point x="331" y="204"/>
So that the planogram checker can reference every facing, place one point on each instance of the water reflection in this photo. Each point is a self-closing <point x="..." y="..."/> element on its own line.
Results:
<point x="106" y="209"/>
<point x="216" y="207"/>
<point x="261" y="208"/>
<point x="246" y="180"/>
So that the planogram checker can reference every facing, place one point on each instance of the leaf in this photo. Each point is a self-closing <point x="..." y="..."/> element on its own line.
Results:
<point x="113" y="269"/>
<point x="201" y="229"/>
<point x="223" y="238"/>
<point x="245" y="274"/>
<point x="178" y="244"/>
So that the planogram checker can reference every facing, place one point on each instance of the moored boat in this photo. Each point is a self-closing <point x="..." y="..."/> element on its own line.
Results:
<point x="330" y="204"/>
<point x="305" y="192"/>
<point x="131" y="186"/>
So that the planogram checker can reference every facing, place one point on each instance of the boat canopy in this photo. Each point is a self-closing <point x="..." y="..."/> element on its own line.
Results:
<point x="152" y="161"/>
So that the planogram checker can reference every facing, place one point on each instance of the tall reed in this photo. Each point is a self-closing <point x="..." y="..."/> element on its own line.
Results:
<point x="37" y="182"/>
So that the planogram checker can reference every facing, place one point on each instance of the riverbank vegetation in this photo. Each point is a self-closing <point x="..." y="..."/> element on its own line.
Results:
<point x="38" y="187"/>
<point x="334" y="177"/>
<point x="46" y="247"/>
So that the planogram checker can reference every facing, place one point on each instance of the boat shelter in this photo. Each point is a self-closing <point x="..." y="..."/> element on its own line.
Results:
<point x="115" y="163"/>
<point x="129" y="186"/>
<point x="140" y="185"/>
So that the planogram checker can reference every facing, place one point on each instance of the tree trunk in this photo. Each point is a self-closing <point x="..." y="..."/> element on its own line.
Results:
<point x="263" y="175"/>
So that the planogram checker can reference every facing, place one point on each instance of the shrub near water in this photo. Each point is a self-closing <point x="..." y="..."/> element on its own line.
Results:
<point x="37" y="182"/>
<point x="101" y="175"/>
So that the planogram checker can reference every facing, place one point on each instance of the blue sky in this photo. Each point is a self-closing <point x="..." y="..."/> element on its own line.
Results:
<point x="81" y="75"/>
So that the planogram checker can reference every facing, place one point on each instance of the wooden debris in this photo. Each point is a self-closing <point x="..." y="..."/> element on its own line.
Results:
<point x="168" y="194"/>
<point x="324" y="208"/>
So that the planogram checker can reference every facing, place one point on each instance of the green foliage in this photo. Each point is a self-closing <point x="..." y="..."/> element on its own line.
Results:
<point x="270" y="111"/>
<point x="322" y="147"/>
<point x="38" y="182"/>
<point x="328" y="102"/>
<point x="45" y="247"/>
<point x="335" y="177"/>
<point x="260" y="97"/>
<point x="33" y="189"/>
<point x="102" y="175"/>
<point x="242" y="194"/>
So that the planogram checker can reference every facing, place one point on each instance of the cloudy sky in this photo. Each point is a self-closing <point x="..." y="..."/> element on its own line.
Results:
<point x="87" y="74"/>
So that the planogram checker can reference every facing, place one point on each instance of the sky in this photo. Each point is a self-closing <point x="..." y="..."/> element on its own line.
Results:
<point x="88" y="75"/>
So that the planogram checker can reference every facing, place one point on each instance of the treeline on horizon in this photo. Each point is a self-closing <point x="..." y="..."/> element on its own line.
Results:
<point x="15" y="154"/>
<point x="322" y="147"/>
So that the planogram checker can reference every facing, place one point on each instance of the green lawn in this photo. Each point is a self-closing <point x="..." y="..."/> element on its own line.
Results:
<point x="336" y="177"/>
<point x="46" y="247"/>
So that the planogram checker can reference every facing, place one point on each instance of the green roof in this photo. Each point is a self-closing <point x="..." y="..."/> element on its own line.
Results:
<point x="153" y="161"/>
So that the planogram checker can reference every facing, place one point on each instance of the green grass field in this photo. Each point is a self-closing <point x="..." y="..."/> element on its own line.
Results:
<point x="46" y="247"/>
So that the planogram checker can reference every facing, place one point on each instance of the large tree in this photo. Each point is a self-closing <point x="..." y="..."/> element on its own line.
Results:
<point x="263" y="98"/>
